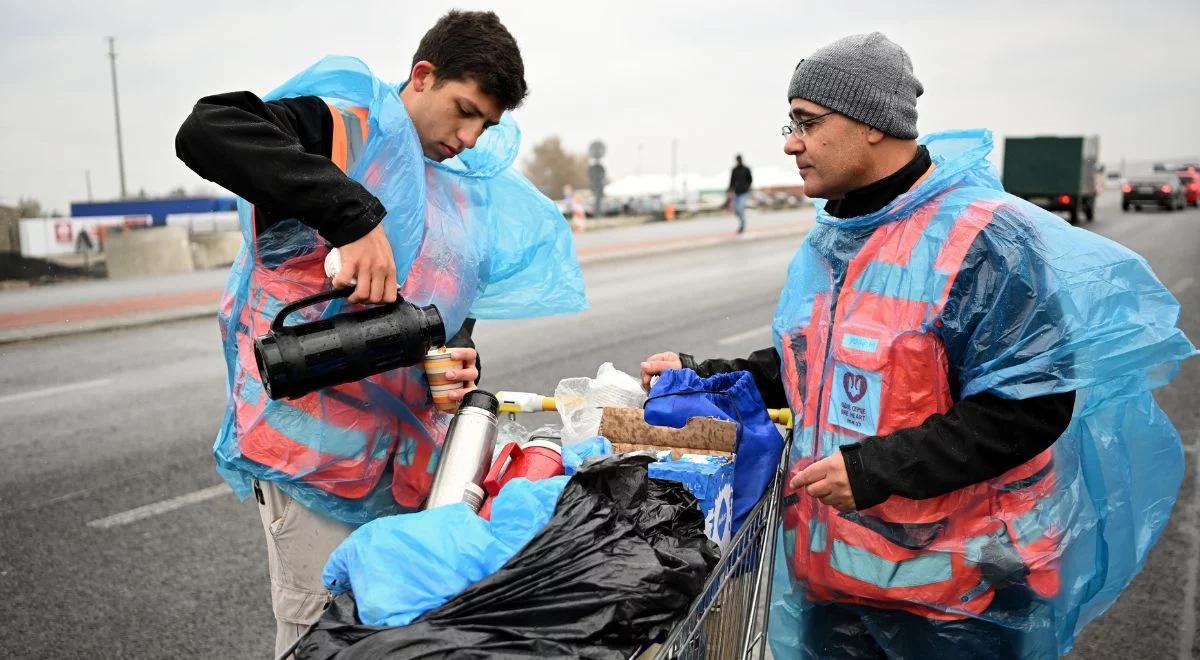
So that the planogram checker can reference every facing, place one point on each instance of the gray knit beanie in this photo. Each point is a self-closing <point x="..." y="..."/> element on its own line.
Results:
<point x="866" y="77"/>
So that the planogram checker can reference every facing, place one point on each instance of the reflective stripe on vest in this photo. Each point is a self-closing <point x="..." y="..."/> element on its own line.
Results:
<point x="887" y="370"/>
<point x="350" y="130"/>
<point x="818" y="536"/>
<point x="860" y="564"/>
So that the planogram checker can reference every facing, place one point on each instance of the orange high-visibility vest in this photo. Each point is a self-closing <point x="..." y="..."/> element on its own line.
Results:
<point x="873" y="363"/>
<point x="336" y="440"/>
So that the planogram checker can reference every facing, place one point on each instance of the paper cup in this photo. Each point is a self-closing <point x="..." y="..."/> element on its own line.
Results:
<point x="437" y="363"/>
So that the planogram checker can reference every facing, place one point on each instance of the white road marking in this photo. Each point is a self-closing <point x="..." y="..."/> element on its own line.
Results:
<point x="1187" y="633"/>
<point x="158" y="508"/>
<point x="763" y="332"/>
<point x="48" y="391"/>
<point x="50" y="502"/>
<point x="1182" y="285"/>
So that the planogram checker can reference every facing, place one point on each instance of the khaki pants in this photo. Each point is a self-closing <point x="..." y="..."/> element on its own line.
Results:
<point x="299" y="542"/>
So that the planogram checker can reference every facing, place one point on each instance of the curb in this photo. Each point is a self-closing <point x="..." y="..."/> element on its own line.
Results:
<point x="115" y="322"/>
<point x="184" y="312"/>
<point x="623" y="251"/>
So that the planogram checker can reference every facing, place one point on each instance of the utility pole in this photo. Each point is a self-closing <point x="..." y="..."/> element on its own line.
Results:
<point x="112" y="57"/>
<point x="87" y="175"/>
<point x="674" y="157"/>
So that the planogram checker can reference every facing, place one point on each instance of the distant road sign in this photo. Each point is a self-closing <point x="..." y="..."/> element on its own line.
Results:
<point x="596" y="150"/>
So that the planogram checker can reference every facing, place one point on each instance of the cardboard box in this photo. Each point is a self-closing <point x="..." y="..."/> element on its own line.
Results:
<point x="710" y="479"/>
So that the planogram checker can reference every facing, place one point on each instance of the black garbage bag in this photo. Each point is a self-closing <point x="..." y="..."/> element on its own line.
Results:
<point x="618" y="564"/>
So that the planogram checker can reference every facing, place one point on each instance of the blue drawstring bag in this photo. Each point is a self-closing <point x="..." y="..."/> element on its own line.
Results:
<point x="680" y="395"/>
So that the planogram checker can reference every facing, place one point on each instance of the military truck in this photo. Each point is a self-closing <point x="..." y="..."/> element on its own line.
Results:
<point x="1056" y="173"/>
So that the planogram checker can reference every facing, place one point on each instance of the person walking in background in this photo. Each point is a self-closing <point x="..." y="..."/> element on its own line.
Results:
<point x="572" y="207"/>
<point x="739" y="191"/>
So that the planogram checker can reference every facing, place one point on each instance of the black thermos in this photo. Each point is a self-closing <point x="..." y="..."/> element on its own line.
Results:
<point x="296" y="360"/>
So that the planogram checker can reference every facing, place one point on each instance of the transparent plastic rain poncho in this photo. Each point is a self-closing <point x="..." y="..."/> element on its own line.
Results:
<point x="470" y="235"/>
<point x="1059" y="309"/>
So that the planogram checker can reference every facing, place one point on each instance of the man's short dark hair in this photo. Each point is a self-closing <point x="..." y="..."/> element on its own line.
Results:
<point x="474" y="45"/>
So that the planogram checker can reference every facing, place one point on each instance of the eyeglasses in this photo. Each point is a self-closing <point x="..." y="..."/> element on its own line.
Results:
<point x="800" y="128"/>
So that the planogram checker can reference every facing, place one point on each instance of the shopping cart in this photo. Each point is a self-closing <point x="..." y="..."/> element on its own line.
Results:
<point x="729" y="618"/>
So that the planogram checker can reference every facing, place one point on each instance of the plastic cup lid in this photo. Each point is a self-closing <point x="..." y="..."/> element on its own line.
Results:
<point x="546" y="444"/>
<point x="333" y="263"/>
<point x="482" y="399"/>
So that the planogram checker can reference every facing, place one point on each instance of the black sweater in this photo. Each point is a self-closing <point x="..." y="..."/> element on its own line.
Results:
<point x="740" y="180"/>
<point x="981" y="437"/>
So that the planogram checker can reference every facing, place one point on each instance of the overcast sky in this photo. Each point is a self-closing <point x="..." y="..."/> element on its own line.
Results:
<point x="633" y="74"/>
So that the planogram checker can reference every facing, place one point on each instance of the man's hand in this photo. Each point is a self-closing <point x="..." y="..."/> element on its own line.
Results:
<point x="656" y="364"/>
<point x="368" y="260"/>
<point x="827" y="481"/>
<point x="467" y="375"/>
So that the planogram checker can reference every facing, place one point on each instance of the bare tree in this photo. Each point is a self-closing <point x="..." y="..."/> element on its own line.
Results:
<point x="551" y="168"/>
<point x="28" y="207"/>
<point x="205" y="190"/>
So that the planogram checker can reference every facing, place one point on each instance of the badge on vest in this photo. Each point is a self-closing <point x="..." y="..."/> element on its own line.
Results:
<point x="855" y="399"/>
<point x="859" y="343"/>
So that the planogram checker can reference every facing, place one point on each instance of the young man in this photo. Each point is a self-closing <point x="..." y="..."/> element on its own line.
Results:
<point x="739" y="191"/>
<point x="392" y="178"/>
<point x="946" y="364"/>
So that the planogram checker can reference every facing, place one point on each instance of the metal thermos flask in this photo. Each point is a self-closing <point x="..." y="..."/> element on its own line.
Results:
<point x="298" y="359"/>
<point x="466" y="453"/>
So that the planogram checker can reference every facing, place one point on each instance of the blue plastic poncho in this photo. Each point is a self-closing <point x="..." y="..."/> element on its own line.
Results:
<point x="470" y="235"/>
<point x="1050" y="308"/>
<point x="400" y="567"/>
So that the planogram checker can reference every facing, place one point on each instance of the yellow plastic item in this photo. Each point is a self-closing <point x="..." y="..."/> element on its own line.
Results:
<point x="519" y="402"/>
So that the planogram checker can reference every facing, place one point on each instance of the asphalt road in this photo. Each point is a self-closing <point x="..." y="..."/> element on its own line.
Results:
<point x="116" y="539"/>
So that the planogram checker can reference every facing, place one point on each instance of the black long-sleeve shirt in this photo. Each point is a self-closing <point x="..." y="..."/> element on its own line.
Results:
<point x="981" y="437"/>
<point x="276" y="155"/>
<point x="740" y="180"/>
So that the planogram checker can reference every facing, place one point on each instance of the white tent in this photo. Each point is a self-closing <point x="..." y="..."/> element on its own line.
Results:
<point x="640" y="185"/>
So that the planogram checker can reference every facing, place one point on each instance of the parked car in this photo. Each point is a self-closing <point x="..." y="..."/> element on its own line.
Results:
<point x="1190" y="180"/>
<point x="1162" y="190"/>
<point x="1176" y="167"/>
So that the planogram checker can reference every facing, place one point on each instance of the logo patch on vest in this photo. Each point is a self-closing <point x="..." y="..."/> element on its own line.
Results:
<point x="855" y="386"/>
<point x="854" y="401"/>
